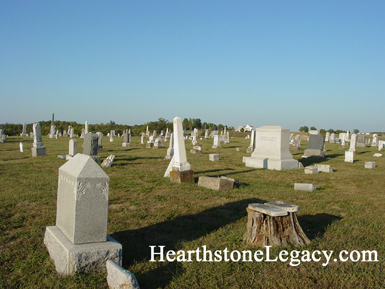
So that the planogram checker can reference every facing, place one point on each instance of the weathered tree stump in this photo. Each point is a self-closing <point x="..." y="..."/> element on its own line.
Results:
<point x="274" y="224"/>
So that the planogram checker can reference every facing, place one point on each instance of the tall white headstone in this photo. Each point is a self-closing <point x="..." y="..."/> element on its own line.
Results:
<point x="353" y="143"/>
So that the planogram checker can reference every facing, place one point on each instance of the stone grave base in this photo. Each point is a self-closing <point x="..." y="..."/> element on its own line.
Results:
<point x="218" y="184"/>
<point x="271" y="164"/>
<point x="313" y="153"/>
<point x="182" y="177"/>
<point x="149" y="145"/>
<point x="126" y="144"/>
<point x="69" y="258"/>
<point x="41" y="151"/>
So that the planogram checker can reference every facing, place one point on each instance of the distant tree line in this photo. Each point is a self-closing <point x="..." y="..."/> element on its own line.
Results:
<point x="323" y="131"/>
<point x="12" y="129"/>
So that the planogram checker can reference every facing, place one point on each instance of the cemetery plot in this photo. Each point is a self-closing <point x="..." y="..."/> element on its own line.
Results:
<point x="344" y="212"/>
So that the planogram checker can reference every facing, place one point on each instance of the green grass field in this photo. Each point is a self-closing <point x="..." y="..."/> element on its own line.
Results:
<point x="346" y="212"/>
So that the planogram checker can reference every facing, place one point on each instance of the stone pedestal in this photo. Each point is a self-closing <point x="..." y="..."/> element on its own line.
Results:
<point x="182" y="177"/>
<point x="69" y="258"/>
<point x="41" y="151"/>
<point x="149" y="145"/>
<point x="126" y="144"/>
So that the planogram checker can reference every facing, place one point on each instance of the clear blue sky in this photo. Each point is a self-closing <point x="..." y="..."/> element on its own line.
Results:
<point x="288" y="63"/>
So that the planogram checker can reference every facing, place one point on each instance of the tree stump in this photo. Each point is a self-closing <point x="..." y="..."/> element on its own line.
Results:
<point x="274" y="224"/>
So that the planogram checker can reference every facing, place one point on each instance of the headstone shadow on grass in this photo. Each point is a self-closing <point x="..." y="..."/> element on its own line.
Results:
<point x="172" y="232"/>
<point x="315" y="226"/>
<point x="315" y="160"/>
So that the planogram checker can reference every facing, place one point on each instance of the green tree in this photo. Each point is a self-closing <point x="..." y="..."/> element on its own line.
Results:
<point x="356" y="130"/>
<point x="304" y="129"/>
<point x="313" y="128"/>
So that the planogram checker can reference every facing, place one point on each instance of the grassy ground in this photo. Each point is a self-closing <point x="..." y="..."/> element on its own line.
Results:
<point x="346" y="212"/>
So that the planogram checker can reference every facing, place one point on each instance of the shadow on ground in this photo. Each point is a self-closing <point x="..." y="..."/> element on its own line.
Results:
<point x="314" y="226"/>
<point x="169" y="233"/>
<point x="315" y="160"/>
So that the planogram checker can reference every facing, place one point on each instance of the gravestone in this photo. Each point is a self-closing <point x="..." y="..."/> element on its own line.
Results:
<point x="170" y="150"/>
<point x="207" y="134"/>
<point x="324" y="168"/>
<point x="310" y="170"/>
<point x="90" y="146"/>
<point x="100" y="140"/>
<point x="361" y="140"/>
<point x="86" y="127"/>
<point x="327" y="136"/>
<point x="370" y="165"/>
<point x="272" y="150"/>
<point x="158" y="142"/>
<point x="82" y="135"/>
<point x="24" y="131"/>
<point x="217" y="142"/>
<point x="375" y="140"/>
<point x="21" y="147"/>
<point x="304" y="187"/>
<point x="315" y="146"/>
<point x="142" y="138"/>
<point x="72" y="149"/>
<point x="353" y="143"/>
<point x="119" y="278"/>
<point x="126" y="139"/>
<point x="213" y="157"/>
<point x="227" y="141"/>
<point x="217" y="184"/>
<point x="52" y="132"/>
<point x="179" y="169"/>
<point x="79" y="241"/>
<point x="251" y="147"/>
<point x="332" y="138"/>
<point x="108" y="161"/>
<point x="3" y="137"/>
<point x="38" y="148"/>
<point x="349" y="157"/>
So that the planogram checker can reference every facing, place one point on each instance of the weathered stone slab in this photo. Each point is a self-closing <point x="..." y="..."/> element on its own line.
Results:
<point x="370" y="165"/>
<point x="108" y="161"/>
<point x="283" y="206"/>
<point x="377" y="155"/>
<point x="349" y="156"/>
<point x="311" y="170"/>
<point x="304" y="187"/>
<point x="218" y="184"/>
<point x="324" y="168"/>
<point x="182" y="176"/>
<point x="213" y="157"/>
<point x="118" y="278"/>
<point x="268" y="210"/>
<point x="70" y="258"/>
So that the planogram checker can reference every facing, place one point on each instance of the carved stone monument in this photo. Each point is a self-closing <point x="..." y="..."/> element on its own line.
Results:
<point x="79" y="241"/>
<point x="272" y="150"/>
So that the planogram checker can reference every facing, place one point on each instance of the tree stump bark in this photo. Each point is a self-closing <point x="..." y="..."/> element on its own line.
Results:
<point x="274" y="224"/>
